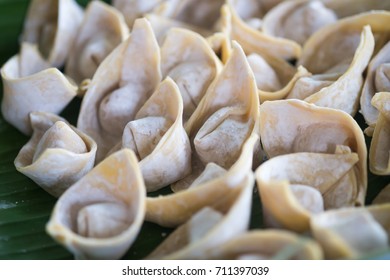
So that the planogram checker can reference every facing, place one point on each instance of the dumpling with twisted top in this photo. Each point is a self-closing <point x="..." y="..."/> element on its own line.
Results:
<point x="102" y="29"/>
<point x="57" y="155"/>
<point x="100" y="216"/>
<point x="297" y="20"/>
<point x="52" y="25"/>
<point x="224" y="119"/>
<point x="191" y="63"/>
<point x="293" y="126"/>
<point x="158" y="138"/>
<point x="120" y="87"/>
<point x="295" y="186"/>
<point x="340" y="86"/>
<point x="30" y="85"/>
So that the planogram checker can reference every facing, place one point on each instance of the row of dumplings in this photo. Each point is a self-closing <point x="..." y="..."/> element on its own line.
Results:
<point x="177" y="103"/>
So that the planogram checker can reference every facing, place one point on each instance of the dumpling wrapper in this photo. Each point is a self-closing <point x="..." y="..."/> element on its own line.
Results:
<point x="31" y="86"/>
<point x="295" y="186"/>
<point x="53" y="26"/>
<point x="379" y="157"/>
<point x="120" y="87"/>
<point x="102" y="29"/>
<point x="291" y="126"/>
<point x="267" y="244"/>
<point x="338" y="90"/>
<point x="217" y="192"/>
<point x="100" y="216"/>
<point x="57" y="155"/>
<point x="255" y="41"/>
<point x="377" y="80"/>
<point x="351" y="233"/>
<point x="275" y="77"/>
<point x="224" y="119"/>
<point x="187" y="58"/>
<point x="297" y="20"/>
<point x="209" y="228"/>
<point x="336" y="45"/>
<point x="158" y="138"/>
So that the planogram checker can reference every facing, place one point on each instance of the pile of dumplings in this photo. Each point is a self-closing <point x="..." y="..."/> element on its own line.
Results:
<point x="210" y="99"/>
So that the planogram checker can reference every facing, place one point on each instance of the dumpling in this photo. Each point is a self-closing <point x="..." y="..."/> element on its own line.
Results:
<point x="379" y="157"/>
<point x="275" y="77"/>
<point x="295" y="186"/>
<point x="187" y="58"/>
<point x="215" y="188"/>
<point x="255" y="41"/>
<point x="158" y="138"/>
<point x="30" y="85"/>
<point x="351" y="233"/>
<point x="224" y="119"/>
<point x="297" y="20"/>
<point x="209" y="228"/>
<point x="120" y="87"/>
<point x="293" y="126"/>
<point x="100" y="216"/>
<point x="338" y="88"/>
<point x="52" y="25"/>
<point x="102" y="29"/>
<point x="57" y="155"/>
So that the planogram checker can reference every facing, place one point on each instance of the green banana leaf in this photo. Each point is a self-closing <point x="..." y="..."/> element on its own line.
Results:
<point x="25" y="208"/>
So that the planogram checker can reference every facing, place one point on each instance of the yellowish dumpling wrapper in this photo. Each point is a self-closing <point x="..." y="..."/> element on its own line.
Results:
<point x="297" y="20"/>
<point x="334" y="47"/>
<point x="158" y="138"/>
<point x="255" y="41"/>
<point x="295" y="186"/>
<point x="351" y="233"/>
<point x="52" y="25"/>
<point x="175" y="209"/>
<point x="100" y="216"/>
<point x="275" y="77"/>
<point x="291" y="126"/>
<point x="31" y="86"/>
<point x="102" y="29"/>
<point x="187" y="58"/>
<point x="209" y="228"/>
<point x="224" y="119"/>
<point x="338" y="90"/>
<point x="379" y="158"/>
<point x="120" y="87"/>
<point x="57" y="155"/>
<point x="267" y="244"/>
